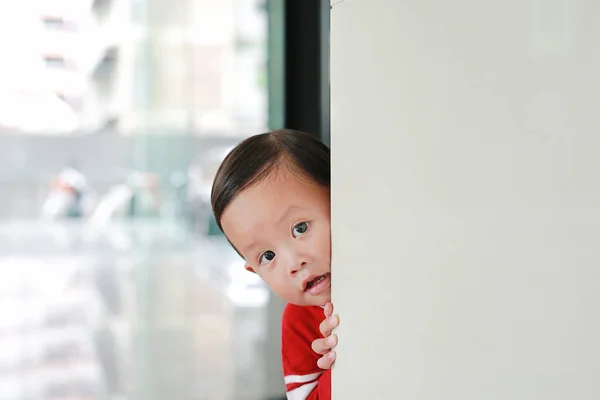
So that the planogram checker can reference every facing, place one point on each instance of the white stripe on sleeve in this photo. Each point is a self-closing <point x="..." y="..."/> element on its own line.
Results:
<point x="301" y="378"/>
<point x="302" y="392"/>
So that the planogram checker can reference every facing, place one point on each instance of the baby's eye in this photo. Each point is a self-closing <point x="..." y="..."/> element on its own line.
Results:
<point x="300" y="229"/>
<point x="267" y="256"/>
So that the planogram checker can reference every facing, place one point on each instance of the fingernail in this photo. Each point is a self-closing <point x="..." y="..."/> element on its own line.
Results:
<point x="331" y="340"/>
<point x="333" y="319"/>
<point x="331" y="355"/>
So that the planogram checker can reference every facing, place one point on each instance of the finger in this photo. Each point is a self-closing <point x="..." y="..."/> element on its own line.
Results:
<point x="328" y="310"/>
<point x="323" y="346"/>
<point x="329" y="324"/>
<point x="326" y="361"/>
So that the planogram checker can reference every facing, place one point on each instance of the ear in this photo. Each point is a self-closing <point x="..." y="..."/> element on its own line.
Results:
<point x="250" y="269"/>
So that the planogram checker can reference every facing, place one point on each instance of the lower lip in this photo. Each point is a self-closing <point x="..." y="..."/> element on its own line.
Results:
<point x="321" y="286"/>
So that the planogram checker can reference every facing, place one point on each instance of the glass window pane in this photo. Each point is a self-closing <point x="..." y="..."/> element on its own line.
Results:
<point x="114" y="281"/>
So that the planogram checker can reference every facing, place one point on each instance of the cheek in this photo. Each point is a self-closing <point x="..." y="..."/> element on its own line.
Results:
<point x="269" y="279"/>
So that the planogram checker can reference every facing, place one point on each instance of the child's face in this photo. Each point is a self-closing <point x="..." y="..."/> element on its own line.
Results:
<point x="282" y="229"/>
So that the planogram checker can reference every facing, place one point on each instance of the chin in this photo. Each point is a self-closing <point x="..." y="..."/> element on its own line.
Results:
<point x="318" y="301"/>
<point x="321" y="300"/>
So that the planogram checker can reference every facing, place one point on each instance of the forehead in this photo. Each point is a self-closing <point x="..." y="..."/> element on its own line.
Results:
<point x="260" y="206"/>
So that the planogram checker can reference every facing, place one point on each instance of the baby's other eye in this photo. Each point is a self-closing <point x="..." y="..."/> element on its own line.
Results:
<point x="267" y="256"/>
<point x="300" y="229"/>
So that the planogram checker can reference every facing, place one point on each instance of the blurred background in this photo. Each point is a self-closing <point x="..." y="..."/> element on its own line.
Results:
<point x="114" y="115"/>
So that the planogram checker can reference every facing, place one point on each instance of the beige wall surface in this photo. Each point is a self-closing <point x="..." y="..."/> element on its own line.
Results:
<point x="466" y="199"/>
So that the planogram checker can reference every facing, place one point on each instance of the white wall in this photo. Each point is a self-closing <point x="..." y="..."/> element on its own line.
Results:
<point x="466" y="201"/>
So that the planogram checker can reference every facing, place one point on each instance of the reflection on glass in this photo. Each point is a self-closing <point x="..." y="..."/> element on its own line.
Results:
<point x="114" y="281"/>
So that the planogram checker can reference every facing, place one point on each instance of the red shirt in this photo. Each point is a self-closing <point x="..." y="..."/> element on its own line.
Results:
<point x="304" y="380"/>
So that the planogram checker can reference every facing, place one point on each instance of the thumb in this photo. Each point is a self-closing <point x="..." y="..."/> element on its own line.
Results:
<point x="328" y="310"/>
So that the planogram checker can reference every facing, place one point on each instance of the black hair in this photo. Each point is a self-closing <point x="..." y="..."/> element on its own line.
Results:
<point x="252" y="160"/>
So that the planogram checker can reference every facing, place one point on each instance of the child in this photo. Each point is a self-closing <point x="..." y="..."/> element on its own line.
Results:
<point x="271" y="198"/>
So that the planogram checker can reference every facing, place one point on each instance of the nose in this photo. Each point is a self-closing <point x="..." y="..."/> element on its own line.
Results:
<point x="295" y="266"/>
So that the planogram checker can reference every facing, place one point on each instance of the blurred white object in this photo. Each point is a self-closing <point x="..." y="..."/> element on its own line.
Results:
<point x="68" y="197"/>
<point x="202" y="172"/>
<point x="37" y="113"/>
<point x="114" y="203"/>
<point x="201" y="175"/>
<point x="138" y="196"/>
<point x="27" y="100"/>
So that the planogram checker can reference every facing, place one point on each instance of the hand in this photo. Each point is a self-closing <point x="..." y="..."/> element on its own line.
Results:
<point x="325" y="345"/>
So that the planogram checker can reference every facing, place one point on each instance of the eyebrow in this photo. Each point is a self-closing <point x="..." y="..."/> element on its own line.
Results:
<point x="287" y="212"/>
<point x="248" y="249"/>
<point x="283" y="216"/>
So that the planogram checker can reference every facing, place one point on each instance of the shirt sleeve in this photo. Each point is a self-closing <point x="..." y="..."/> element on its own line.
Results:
<point x="304" y="380"/>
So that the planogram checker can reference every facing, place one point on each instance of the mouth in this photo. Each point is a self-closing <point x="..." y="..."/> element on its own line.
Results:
<point x="316" y="284"/>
